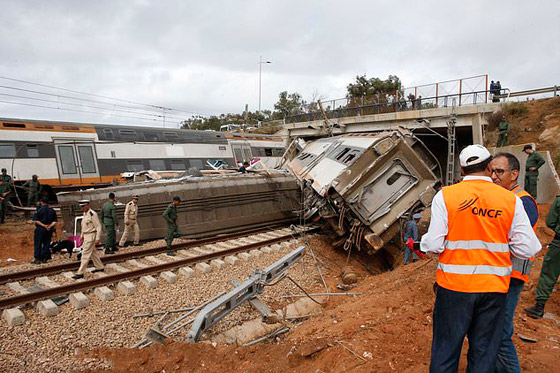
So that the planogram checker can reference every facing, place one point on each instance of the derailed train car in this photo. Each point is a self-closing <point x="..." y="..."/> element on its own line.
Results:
<point x="361" y="185"/>
<point x="210" y="204"/>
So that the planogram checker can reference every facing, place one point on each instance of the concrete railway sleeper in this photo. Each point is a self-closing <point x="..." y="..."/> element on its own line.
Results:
<point x="123" y="278"/>
<point x="59" y="268"/>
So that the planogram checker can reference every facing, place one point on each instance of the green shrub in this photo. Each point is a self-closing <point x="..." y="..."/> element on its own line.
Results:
<point x="515" y="109"/>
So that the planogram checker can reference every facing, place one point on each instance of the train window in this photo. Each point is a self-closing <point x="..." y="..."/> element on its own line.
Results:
<point x="170" y="136"/>
<point x="7" y="150"/>
<point x="87" y="159"/>
<point x="342" y="154"/>
<point x="14" y="125"/>
<point x="304" y="156"/>
<point x="32" y="150"/>
<point x="278" y="152"/>
<point x="393" y="178"/>
<point x="128" y="134"/>
<point x="108" y="132"/>
<point x="157" y="164"/>
<point x="134" y="166"/>
<point x="70" y="128"/>
<point x="44" y="126"/>
<point x="67" y="159"/>
<point x="150" y="136"/>
<point x="177" y="164"/>
<point x="267" y="152"/>
<point x="196" y="163"/>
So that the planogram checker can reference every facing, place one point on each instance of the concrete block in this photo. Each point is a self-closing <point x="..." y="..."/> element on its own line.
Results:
<point x="276" y="248"/>
<point x="188" y="272"/>
<point x="218" y="263"/>
<point x="126" y="287"/>
<point x="104" y="293"/>
<point x="13" y="316"/>
<point x="266" y="250"/>
<point x="231" y="260"/>
<point x="116" y="268"/>
<point x="154" y="260"/>
<point x="183" y="253"/>
<point x="46" y="282"/>
<point x="78" y="300"/>
<point x="203" y="267"/>
<point x="16" y="286"/>
<point x="47" y="308"/>
<point x="168" y="276"/>
<point x="244" y="256"/>
<point x="149" y="282"/>
<point x="136" y="263"/>
<point x="255" y="253"/>
<point x="69" y="275"/>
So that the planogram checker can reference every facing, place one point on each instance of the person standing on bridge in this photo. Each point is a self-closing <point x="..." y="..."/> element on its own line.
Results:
<point x="109" y="219"/>
<point x="551" y="264"/>
<point x="131" y="222"/>
<point x="474" y="226"/>
<point x="91" y="233"/>
<point x="503" y="129"/>
<point x="505" y="171"/>
<point x="170" y="215"/>
<point x="534" y="162"/>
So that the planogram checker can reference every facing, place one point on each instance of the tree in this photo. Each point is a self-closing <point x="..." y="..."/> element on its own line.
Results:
<point x="288" y="104"/>
<point x="374" y="90"/>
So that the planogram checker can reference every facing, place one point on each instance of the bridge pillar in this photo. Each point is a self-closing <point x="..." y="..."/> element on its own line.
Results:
<point x="477" y="133"/>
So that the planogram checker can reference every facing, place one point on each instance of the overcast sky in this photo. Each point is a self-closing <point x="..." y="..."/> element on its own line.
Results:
<point x="202" y="56"/>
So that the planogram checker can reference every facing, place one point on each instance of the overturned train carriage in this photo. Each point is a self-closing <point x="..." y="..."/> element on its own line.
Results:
<point x="362" y="185"/>
<point x="210" y="204"/>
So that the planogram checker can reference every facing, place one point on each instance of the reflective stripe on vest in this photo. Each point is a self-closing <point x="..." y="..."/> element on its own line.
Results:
<point x="522" y="267"/>
<point x="476" y="256"/>
<point x="474" y="270"/>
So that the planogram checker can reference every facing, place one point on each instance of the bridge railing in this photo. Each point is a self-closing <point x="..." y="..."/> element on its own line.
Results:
<point x="368" y="105"/>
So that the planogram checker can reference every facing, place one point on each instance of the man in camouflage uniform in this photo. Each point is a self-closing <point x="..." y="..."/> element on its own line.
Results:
<point x="503" y="129"/>
<point x="170" y="215"/>
<point x="4" y="192"/>
<point x="534" y="162"/>
<point x="109" y="220"/>
<point x="551" y="264"/>
<point x="33" y="187"/>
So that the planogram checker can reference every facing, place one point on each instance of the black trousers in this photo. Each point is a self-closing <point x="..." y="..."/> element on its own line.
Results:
<point x="480" y="317"/>
<point x="41" y="243"/>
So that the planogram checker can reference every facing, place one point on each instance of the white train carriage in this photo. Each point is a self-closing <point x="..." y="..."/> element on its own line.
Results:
<point x="246" y="146"/>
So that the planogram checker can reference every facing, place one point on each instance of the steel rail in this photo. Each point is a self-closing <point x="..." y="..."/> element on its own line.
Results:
<point x="41" y="271"/>
<point x="111" y="279"/>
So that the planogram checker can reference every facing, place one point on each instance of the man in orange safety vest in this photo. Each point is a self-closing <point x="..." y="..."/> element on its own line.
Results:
<point x="475" y="227"/>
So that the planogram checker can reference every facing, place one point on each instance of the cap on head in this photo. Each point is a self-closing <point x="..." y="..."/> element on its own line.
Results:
<point x="135" y="197"/>
<point x="416" y="216"/>
<point x="45" y="199"/>
<point x="473" y="154"/>
<point x="111" y="195"/>
<point x="177" y="198"/>
<point x="83" y="202"/>
<point x="528" y="146"/>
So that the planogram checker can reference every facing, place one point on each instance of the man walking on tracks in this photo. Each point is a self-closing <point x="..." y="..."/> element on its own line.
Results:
<point x="45" y="220"/>
<point x="551" y="264"/>
<point x="534" y="162"/>
<point x="474" y="225"/>
<point x="131" y="222"/>
<point x="505" y="171"/>
<point x="91" y="232"/>
<point x="170" y="215"/>
<point x="109" y="219"/>
<point x="503" y="129"/>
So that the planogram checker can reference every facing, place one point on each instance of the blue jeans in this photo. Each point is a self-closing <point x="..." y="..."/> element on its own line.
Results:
<point x="407" y="253"/>
<point x="507" y="356"/>
<point x="480" y="317"/>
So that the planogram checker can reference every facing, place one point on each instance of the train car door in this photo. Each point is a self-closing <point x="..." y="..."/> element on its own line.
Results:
<point x="241" y="152"/>
<point x="77" y="161"/>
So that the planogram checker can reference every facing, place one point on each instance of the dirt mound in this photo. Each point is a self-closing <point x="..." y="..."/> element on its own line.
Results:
<point x="536" y="121"/>
<point x="386" y="329"/>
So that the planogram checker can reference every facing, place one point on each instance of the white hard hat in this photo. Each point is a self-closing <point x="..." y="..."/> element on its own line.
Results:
<point x="473" y="154"/>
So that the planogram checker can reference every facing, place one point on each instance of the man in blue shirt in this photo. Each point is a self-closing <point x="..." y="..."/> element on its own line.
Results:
<point x="411" y="231"/>
<point x="45" y="220"/>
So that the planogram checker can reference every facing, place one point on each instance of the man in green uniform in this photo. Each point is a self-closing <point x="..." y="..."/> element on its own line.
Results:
<point x="4" y="192"/>
<point x="551" y="264"/>
<point x="503" y="129"/>
<point x="170" y="215"/>
<point x="33" y="188"/>
<point x="534" y="162"/>
<point x="109" y="220"/>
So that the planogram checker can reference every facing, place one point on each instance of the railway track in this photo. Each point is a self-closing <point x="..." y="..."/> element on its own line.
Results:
<point x="225" y="246"/>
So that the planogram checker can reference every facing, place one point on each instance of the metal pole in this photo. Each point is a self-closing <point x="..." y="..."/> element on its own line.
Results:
<point x="437" y="90"/>
<point x="260" y="77"/>
<point x="486" y="90"/>
<point x="460" y="90"/>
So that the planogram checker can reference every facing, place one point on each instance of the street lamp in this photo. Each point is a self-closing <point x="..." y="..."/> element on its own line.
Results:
<point x="260" y="85"/>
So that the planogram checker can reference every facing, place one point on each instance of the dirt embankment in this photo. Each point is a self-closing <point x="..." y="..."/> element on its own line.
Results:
<point x="387" y="329"/>
<point x="536" y="121"/>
